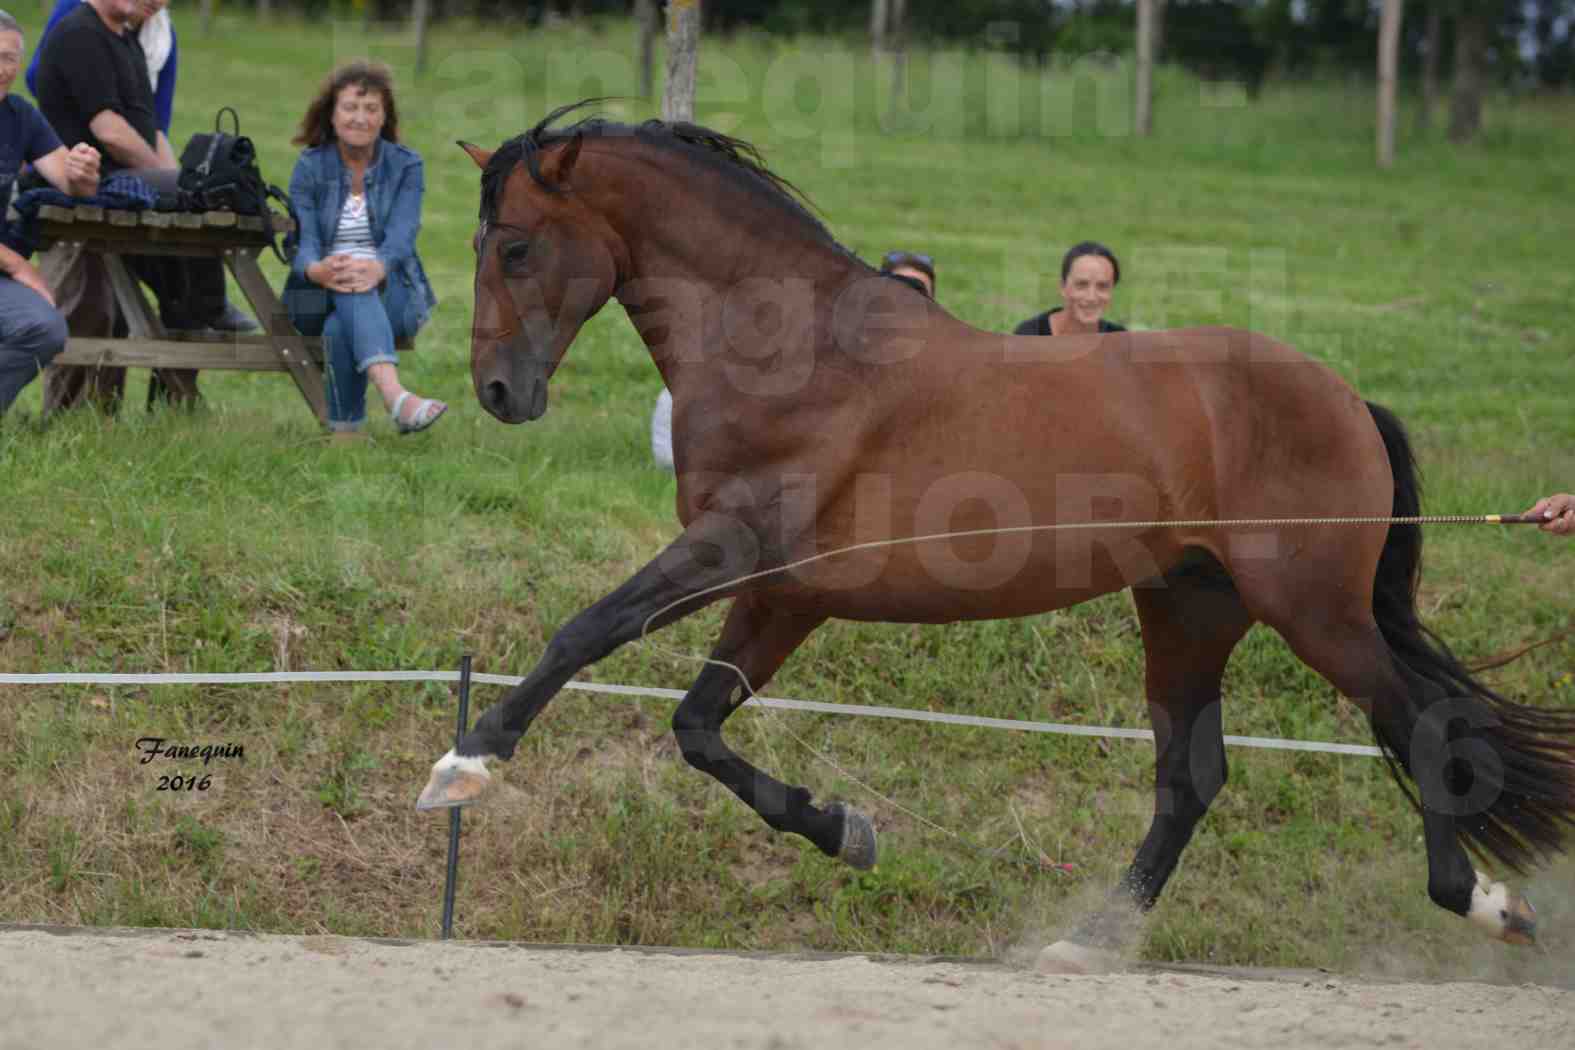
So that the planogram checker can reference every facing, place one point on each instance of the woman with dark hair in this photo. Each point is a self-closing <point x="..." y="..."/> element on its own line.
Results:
<point x="355" y="277"/>
<point x="1089" y="275"/>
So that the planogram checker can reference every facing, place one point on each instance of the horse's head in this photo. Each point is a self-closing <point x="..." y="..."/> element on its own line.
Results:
<point x="545" y="263"/>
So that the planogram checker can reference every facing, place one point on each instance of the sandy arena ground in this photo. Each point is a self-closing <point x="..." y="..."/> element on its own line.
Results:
<point x="175" y="989"/>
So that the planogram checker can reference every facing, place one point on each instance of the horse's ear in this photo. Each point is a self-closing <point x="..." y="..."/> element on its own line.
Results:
<point x="559" y="165"/>
<point x="477" y="154"/>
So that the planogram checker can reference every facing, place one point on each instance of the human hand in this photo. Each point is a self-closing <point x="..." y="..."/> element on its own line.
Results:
<point x="82" y="163"/>
<point x="28" y="276"/>
<point x="1558" y="512"/>
<point x="366" y="274"/>
<point x="333" y="273"/>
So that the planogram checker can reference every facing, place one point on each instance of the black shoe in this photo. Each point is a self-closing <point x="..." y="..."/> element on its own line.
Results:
<point x="232" y="320"/>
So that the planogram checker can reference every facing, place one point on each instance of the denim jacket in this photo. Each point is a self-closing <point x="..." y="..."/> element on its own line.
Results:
<point x="395" y="183"/>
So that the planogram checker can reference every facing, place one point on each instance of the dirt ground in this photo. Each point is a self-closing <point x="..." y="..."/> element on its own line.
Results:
<point x="64" y="988"/>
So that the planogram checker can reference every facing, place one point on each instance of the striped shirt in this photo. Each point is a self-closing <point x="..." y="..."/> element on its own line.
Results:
<point x="355" y="230"/>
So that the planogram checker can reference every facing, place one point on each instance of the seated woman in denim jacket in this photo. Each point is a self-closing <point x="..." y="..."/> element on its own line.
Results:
<point x="355" y="278"/>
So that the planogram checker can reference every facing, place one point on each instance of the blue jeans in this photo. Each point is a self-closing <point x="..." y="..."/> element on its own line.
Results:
<point x="31" y="333"/>
<point x="359" y="330"/>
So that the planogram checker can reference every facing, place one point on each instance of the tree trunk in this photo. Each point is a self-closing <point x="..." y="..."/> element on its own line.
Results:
<point x="878" y="19"/>
<point x="897" y="39"/>
<point x="420" y="14"/>
<point x="1465" y="108"/>
<point x="1159" y="30"/>
<point x="1434" y="43"/>
<point x="1143" y="122"/>
<point x="207" y="16"/>
<point x="264" y="8"/>
<point x="1388" y="65"/>
<point x="683" y="47"/>
<point x="649" y="17"/>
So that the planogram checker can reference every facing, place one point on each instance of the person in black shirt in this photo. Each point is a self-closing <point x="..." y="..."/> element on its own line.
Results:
<point x="1089" y="275"/>
<point x="93" y="86"/>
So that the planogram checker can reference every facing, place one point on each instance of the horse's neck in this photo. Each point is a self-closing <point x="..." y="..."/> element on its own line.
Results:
<point x="700" y="303"/>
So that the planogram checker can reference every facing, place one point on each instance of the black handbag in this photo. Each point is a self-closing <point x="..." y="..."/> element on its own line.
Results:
<point x="218" y="172"/>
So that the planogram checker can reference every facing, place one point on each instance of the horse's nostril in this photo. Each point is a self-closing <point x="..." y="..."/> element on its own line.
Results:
<point x="496" y="394"/>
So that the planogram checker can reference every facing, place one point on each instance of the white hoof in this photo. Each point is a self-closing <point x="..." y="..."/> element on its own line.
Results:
<point x="1505" y="916"/>
<point x="1070" y="957"/>
<point x="457" y="780"/>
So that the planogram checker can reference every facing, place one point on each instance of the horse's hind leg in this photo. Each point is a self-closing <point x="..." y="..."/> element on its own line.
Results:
<point x="756" y="639"/>
<point x="1190" y="626"/>
<point x="1432" y="733"/>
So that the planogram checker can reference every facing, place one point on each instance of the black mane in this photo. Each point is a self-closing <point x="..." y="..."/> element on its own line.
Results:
<point x="732" y="157"/>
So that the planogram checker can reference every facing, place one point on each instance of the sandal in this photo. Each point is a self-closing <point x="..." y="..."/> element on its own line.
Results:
<point x="427" y="412"/>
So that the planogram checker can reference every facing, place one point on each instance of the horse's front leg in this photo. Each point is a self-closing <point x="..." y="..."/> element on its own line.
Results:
<point x="713" y="552"/>
<point x="755" y="641"/>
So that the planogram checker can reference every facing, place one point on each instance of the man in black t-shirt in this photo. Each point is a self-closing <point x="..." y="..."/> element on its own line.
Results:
<point x="93" y="83"/>
<point x="93" y="87"/>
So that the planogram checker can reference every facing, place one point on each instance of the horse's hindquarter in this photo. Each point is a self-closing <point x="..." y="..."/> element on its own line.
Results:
<point x="1019" y="433"/>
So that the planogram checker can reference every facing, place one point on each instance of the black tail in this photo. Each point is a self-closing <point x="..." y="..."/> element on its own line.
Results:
<point x="1526" y="754"/>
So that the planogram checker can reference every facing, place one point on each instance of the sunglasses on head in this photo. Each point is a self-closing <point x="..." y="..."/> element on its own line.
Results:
<point x="922" y="261"/>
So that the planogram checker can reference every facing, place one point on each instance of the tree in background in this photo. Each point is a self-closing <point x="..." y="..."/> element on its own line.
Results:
<point x="1432" y="49"/>
<point x="1221" y="40"/>
<point x="683" y="49"/>
<point x="1143" y="119"/>
<point x="648" y="17"/>
<point x="1388" y="74"/>
<point x="1522" y="44"/>
<point x="1473" y="23"/>
<point x="889" y="34"/>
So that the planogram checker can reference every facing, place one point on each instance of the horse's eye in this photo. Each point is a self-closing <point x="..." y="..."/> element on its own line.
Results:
<point x="514" y="255"/>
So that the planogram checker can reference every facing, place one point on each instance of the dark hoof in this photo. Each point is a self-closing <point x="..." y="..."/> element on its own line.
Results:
<point x="858" y="837"/>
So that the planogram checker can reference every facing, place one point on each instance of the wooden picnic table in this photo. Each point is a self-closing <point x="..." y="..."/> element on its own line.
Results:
<point x="67" y="233"/>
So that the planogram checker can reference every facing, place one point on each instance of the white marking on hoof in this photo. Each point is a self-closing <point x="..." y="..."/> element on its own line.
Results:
<point x="1505" y="916"/>
<point x="1489" y="905"/>
<point x="456" y="780"/>
<point x="1071" y="957"/>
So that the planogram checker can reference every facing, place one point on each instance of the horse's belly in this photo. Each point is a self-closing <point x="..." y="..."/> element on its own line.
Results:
<point x="944" y="580"/>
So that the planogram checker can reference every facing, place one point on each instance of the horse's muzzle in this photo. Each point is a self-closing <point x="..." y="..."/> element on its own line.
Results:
<point x="515" y="395"/>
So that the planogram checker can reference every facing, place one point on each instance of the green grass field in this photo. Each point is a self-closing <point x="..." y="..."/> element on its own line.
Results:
<point x="238" y="539"/>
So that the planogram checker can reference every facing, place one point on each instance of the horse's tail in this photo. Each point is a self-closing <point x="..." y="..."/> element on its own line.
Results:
<point x="1506" y="771"/>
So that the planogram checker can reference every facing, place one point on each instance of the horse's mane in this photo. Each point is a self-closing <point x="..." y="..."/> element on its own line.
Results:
<point x="729" y="156"/>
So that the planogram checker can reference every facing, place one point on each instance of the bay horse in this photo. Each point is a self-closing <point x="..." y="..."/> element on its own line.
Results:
<point x="819" y="407"/>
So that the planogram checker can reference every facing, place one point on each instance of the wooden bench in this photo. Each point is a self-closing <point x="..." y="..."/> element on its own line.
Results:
<point x="236" y="239"/>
